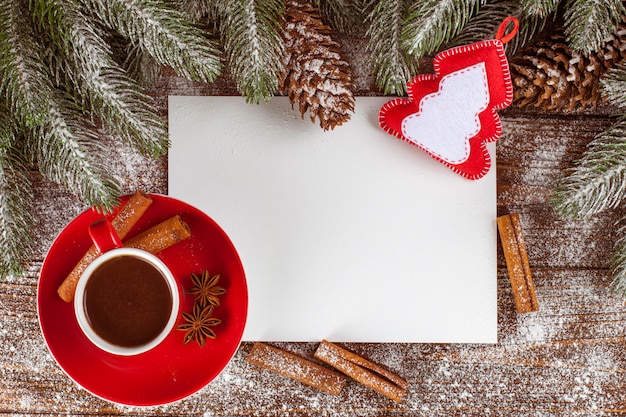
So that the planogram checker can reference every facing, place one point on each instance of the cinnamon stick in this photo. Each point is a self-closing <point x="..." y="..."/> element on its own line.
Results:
<point x="161" y="236"/>
<point x="125" y="219"/>
<point x="367" y="373"/>
<point x="518" y="267"/>
<point x="296" y="367"/>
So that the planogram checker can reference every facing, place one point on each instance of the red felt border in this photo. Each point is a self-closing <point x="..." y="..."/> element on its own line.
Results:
<point x="491" y="52"/>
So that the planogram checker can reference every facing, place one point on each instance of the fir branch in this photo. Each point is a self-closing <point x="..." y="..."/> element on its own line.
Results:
<point x="111" y="94"/>
<point x="433" y="22"/>
<point x="199" y="9"/>
<point x="529" y="27"/>
<point x="393" y="66"/>
<point x="69" y="153"/>
<point x="344" y="16"/>
<point x="613" y="86"/>
<point x="165" y="33"/>
<point x="539" y="8"/>
<point x="140" y="66"/>
<point x="618" y="264"/>
<point x="598" y="181"/>
<point x="589" y="22"/>
<point x="16" y="199"/>
<point x="485" y="24"/>
<point x="490" y="16"/>
<point x="56" y="132"/>
<point x="251" y="34"/>
<point x="22" y="74"/>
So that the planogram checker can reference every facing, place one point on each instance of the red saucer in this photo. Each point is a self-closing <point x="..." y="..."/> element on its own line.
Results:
<point x="173" y="370"/>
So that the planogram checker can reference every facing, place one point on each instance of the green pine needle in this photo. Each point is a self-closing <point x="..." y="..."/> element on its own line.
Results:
<point x="251" y="33"/>
<point x="344" y="16"/>
<point x="613" y="86"/>
<point x="55" y="131"/>
<point x="598" y="181"/>
<point x="618" y="264"/>
<point x="539" y="8"/>
<point x="589" y="22"/>
<point x="433" y="22"/>
<point x="140" y="66"/>
<point x="22" y="75"/>
<point x="165" y="33"/>
<point x="393" y="66"/>
<point x="69" y="153"/>
<point x="116" y="98"/>
<point x="529" y="27"/>
<point x="199" y="9"/>
<point x="486" y="22"/>
<point x="16" y="195"/>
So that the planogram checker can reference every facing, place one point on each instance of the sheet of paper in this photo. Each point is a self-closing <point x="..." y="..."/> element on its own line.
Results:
<point x="349" y="235"/>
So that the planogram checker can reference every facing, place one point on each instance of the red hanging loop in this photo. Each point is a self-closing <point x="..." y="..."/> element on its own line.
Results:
<point x="501" y="36"/>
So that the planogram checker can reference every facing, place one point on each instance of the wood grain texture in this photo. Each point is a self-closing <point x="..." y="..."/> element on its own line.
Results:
<point x="568" y="359"/>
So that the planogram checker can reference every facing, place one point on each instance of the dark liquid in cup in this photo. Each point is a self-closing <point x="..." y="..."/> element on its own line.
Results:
<point x="127" y="301"/>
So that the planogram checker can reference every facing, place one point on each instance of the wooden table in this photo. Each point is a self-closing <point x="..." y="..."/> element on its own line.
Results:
<point x="568" y="359"/>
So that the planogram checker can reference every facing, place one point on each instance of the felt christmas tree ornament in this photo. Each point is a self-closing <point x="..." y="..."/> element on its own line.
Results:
<point x="452" y="114"/>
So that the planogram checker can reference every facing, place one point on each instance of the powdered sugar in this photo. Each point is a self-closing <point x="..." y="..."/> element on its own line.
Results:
<point x="568" y="359"/>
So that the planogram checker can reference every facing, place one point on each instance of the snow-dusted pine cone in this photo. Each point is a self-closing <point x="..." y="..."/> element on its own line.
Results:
<point x="551" y="76"/>
<point x="316" y="78"/>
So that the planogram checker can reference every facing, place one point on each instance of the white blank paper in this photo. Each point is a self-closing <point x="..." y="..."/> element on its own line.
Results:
<point x="349" y="235"/>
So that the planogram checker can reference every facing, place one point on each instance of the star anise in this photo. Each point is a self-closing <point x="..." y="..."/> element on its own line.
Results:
<point x="205" y="289"/>
<point x="198" y="324"/>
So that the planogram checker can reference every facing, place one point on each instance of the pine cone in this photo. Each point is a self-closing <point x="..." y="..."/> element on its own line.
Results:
<point x="315" y="76"/>
<point x="550" y="76"/>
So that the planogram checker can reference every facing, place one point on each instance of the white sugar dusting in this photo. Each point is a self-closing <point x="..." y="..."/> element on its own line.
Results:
<point x="570" y="353"/>
<point x="569" y="358"/>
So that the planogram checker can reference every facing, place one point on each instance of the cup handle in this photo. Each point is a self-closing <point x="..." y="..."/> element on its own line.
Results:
<point x="104" y="236"/>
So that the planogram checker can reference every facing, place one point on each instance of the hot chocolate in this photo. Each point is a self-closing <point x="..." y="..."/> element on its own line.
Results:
<point x="127" y="301"/>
